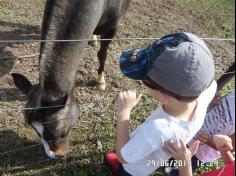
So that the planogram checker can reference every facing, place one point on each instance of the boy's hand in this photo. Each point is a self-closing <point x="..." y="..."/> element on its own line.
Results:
<point x="127" y="101"/>
<point x="223" y="143"/>
<point x="181" y="152"/>
<point x="203" y="138"/>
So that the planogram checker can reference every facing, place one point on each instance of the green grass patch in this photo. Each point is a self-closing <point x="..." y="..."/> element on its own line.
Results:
<point x="215" y="16"/>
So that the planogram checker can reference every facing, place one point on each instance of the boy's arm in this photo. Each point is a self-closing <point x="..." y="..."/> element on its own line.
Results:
<point x="205" y="139"/>
<point x="227" y="157"/>
<point x="126" y="101"/>
<point x="211" y="143"/>
<point x="122" y="133"/>
<point x="186" y="169"/>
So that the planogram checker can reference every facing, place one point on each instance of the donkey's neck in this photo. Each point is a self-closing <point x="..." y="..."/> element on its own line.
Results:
<point x="65" y="20"/>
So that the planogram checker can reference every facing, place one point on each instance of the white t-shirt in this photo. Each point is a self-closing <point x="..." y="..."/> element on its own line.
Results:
<point x="144" y="152"/>
<point x="220" y="120"/>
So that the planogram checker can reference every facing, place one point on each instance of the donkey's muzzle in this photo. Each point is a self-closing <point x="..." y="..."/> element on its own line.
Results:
<point x="59" y="148"/>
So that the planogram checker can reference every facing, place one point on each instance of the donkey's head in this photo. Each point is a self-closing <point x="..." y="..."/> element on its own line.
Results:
<point x="52" y="118"/>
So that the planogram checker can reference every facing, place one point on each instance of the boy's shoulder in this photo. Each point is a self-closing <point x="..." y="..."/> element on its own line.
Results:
<point x="161" y="121"/>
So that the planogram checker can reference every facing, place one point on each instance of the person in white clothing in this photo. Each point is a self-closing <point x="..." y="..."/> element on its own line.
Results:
<point x="219" y="120"/>
<point x="178" y="71"/>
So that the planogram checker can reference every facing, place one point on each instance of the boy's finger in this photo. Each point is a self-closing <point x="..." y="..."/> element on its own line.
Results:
<point x="203" y="135"/>
<point x="169" y="148"/>
<point x="120" y="96"/>
<point x="174" y="145"/>
<point x="167" y="152"/>
<point x="193" y="149"/>
<point x="202" y="140"/>
<point x="183" y="144"/>
<point x="139" y="97"/>
<point x="125" y="94"/>
<point x="129" y="92"/>
<point x="229" y="145"/>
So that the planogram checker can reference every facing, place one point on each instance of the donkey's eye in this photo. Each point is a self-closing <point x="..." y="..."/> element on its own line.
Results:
<point x="64" y="134"/>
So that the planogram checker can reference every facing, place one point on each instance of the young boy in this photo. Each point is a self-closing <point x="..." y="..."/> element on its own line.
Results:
<point x="178" y="71"/>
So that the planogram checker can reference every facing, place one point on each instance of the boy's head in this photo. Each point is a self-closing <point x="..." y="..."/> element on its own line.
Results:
<point x="178" y="64"/>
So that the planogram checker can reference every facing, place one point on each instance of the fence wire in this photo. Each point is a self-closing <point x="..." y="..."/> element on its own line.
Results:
<point x="113" y="39"/>
<point x="48" y="107"/>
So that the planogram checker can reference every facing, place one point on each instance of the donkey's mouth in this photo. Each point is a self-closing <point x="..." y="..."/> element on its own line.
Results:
<point x="57" y="149"/>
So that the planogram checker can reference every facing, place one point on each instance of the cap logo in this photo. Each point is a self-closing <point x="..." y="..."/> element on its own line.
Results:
<point x="134" y="55"/>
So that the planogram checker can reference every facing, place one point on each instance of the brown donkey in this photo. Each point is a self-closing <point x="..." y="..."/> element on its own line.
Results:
<point x="66" y="20"/>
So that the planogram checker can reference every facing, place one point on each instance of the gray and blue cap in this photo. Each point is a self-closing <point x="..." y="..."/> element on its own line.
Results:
<point x="180" y="62"/>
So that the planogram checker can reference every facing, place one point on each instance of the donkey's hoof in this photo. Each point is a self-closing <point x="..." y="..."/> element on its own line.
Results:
<point x="101" y="87"/>
<point x="93" y="43"/>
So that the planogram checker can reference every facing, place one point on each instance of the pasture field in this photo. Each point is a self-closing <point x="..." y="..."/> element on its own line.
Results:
<point x="20" y="150"/>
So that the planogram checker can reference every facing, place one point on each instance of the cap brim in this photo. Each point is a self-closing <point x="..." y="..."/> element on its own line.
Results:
<point x="133" y="64"/>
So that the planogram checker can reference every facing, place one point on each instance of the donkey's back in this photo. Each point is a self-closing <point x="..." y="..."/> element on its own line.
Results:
<point x="81" y="18"/>
<point x="78" y="19"/>
<point x="112" y="13"/>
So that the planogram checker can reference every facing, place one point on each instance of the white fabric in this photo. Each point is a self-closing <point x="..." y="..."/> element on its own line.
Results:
<point x="144" y="152"/>
<point x="220" y="120"/>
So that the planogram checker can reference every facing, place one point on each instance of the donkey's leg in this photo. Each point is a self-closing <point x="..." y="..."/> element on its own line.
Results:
<point x="94" y="43"/>
<point x="102" y="55"/>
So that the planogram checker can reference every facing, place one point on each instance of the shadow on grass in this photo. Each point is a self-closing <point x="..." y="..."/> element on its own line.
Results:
<point x="79" y="166"/>
<point x="18" y="32"/>
<point x="22" y="156"/>
<point x="20" y="28"/>
<point x="83" y="83"/>
<point x="17" y="151"/>
<point x="10" y="95"/>
<point x="7" y="59"/>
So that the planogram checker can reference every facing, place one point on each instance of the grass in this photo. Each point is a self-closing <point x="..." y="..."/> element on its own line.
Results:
<point x="209" y="167"/>
<point x="94" y="135"/>
<point x="214" y="15"/>
<point x="17" y="13"/>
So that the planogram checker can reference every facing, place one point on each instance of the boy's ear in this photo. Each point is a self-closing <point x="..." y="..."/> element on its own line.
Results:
<point x="22" y="83"/>
<point x="165" y="98"/>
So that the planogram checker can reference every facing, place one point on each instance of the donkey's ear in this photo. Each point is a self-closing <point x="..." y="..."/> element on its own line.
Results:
<point x="22" y="83"/>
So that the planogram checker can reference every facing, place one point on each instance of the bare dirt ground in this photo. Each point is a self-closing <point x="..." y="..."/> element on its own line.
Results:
<point x="20" y="149"/>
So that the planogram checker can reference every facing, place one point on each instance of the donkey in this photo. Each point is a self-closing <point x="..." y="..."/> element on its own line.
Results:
<point x="58" y="65"/>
